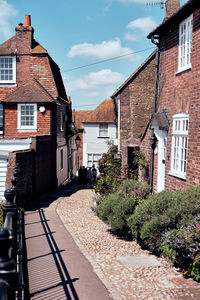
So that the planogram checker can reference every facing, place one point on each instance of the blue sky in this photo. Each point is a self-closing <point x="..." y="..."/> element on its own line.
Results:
<point x="78" y="33"/>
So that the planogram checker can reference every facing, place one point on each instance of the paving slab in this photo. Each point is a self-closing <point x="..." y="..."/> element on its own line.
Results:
<point x="139" y="260"/>
<point x="56" y="267"/>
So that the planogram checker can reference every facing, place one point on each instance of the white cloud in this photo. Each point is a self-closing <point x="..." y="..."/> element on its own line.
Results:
<point x="131" y="37"/>
<point x="94" y="82"/>
<point x="6" y="11"/>
<point x="143" y="24"/>
<point x="105" y="50"/>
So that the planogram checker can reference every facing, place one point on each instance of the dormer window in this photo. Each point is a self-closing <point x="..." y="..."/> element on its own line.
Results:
<point x="7" y="70"/>
<point x="185" y="44"/>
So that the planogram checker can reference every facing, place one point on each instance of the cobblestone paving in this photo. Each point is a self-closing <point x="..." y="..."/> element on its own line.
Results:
<point x="102" y="249"/>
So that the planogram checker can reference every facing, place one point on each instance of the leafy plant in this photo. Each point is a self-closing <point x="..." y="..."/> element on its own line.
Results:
<point x="162" y="212"/>
<point x="115" y="209"/>
<point x="185" y="243"/>
<point x="109" y="168"/>
<point x="133" y="187"/>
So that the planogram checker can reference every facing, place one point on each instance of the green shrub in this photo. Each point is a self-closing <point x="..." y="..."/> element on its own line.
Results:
<point x="105" y="207"/>
<point x="1" y="214"/>
<point x="121" y="212"/>
<point x="109" y="168"/>
<point x="184" y="243"/>
<point x="115" y="209"/>
<point x="135" y="188"/>
<point x="163" y="211"/>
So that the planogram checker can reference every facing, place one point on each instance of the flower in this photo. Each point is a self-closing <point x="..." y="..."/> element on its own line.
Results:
<point x="198" y="226"/>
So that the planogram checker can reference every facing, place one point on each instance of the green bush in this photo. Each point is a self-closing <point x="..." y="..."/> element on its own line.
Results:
<point x="115" y="209"/>
<point x="133" y="187"/>
<point x="1" y="214"/>
<point x="161" y="212"/>
<point x="184" y="243"/>
<point x="109" y="168"/>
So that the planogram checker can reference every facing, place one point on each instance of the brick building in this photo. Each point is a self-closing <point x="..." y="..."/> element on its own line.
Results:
<point x="35" y="112"/>
<point x="133" y="102"/>
<point x="176" y="121"/>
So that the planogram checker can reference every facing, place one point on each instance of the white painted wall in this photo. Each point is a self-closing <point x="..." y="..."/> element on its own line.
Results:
<point x="15" y="144"/>
<point x="92" y="144"/>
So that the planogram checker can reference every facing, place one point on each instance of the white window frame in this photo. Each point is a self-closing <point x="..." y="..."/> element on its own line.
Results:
<point x="185" y="44"/>
<point x="1" y="118"/>
<point x="91" y="161"/>
<point x="8" y="81"/>
<point x="103" y="130"/>
<point x="179" y="145"/>
<point x="61" y="121"/>
<point x="26" y="127"/>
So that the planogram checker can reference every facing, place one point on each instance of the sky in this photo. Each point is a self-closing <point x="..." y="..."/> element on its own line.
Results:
<point x="97" y="44"/>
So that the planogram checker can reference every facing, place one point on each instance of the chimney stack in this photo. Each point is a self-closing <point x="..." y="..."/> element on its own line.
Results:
<point x="171" y="6"/>
<point x="27" y="20"/>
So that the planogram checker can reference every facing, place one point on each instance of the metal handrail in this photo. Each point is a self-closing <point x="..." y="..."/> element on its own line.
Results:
<point x="11" y="283"/>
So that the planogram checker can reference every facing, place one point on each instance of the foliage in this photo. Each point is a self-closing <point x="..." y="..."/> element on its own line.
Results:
<point x="115" y="208"/>
<point x="1" y="214"/>
<point x="161" y="212"/>
<point x="139" y="159"/>
<point x="184" y="243"/>
<point x="133" y="187"/>
<point x="109" y="168"/>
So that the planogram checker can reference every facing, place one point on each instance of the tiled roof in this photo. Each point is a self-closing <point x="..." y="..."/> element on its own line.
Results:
<point x="38" y="50"/>
<point x="29" y="92"/>
<point x="104" y="113"/>
<point x="8" y="46"/>
<point x="133" y="75"/>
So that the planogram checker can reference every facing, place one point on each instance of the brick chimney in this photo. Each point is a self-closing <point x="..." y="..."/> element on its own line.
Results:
<point x="171" y="6"/>
<point x="24" y="36"/>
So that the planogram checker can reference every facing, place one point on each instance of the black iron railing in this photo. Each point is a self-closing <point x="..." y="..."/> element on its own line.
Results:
<point x="11" y="245"/>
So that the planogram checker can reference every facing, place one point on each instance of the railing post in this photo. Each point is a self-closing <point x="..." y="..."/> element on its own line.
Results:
<point x="8" y="275"/>
<point x="10" y="207"/>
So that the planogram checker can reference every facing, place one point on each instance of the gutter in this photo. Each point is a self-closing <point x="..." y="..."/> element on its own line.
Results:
<point x="153" y="138"/>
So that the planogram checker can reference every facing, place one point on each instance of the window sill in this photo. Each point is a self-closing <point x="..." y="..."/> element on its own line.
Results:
<point x="180" y="176"/>
<point x="27" y="130"/>
<point x="103" y="137"/>
<point x="8" y="84"/>
<point x="187" y="69"/>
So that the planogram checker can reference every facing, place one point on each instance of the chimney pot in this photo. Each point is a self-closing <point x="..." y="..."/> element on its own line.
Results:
<point x="27" y="20"/>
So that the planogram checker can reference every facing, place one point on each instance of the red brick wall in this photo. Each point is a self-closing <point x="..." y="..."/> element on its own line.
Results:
<point x="25" y="159"/>
<point x="180" y="92"/>
<point x="145" y="147"/>
<point x="10" y="122"/>
<point x="136" y="105"/>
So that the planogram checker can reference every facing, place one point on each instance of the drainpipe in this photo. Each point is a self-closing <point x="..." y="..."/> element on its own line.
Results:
<point x="153" y="138"/>
<point x="118" y="104"/>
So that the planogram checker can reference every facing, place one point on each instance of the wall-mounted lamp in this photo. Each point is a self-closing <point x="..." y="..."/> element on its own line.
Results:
<point x="42" y="109"/>
<point x="78" y="141"/>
